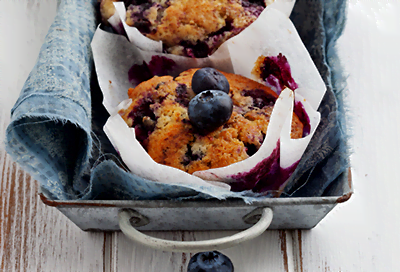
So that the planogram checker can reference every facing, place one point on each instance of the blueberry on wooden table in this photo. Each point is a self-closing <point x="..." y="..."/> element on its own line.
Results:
<point x="209" y="110"/>
<point x="209" y="79"/>
<point x="210" y="261"/>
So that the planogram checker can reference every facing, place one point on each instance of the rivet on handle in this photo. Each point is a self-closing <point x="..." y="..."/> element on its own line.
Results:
<point x="136" y="219"/>
<point x="254" y="216"/>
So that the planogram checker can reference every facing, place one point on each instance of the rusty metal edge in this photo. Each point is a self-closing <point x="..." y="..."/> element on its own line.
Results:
<point x="347" y="196"/>
<point x="188" y="203"/>
<point x="56" y="203"/>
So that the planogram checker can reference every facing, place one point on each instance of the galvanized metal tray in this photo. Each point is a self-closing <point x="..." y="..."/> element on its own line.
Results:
<point x="132" y="216"/>
<point x="289" y="213"/>
<point x="231" y="214"/>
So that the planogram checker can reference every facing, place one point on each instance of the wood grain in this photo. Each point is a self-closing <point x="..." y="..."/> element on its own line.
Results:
<point x="363" y="234"/>
<point x="33" y="237"/>
<point x="265" y="253"/>
<point x="360" y="235"/>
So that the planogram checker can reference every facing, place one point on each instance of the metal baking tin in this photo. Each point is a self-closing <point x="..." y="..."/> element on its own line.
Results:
<point x="231" y="214"/>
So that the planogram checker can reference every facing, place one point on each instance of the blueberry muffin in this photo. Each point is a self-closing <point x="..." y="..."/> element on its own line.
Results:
<point x="193" y="28"/>
<point x="274" y="72"/>
<point x="159" y="115"/>
<point x="107" y="9"/>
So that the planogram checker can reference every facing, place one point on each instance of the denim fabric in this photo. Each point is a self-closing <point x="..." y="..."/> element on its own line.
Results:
<point x="56" y="132"/>
<point x="320" y="24"/>
<point x="49" y="133"/>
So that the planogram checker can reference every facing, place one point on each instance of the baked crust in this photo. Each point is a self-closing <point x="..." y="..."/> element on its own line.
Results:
<point x="107" y="9"/>
<point x="194" y="28"/>
<point x="159" y="115"/>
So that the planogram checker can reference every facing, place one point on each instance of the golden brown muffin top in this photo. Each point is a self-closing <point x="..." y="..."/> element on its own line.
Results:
<point x="159" y="114"/>
<point x="194" y="20"/>
<point x="107" y="9"/>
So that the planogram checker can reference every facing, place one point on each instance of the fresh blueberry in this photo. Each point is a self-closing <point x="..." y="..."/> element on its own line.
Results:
<point x="209" y="79"/>
<point x="209" y="110"/>
<point x="211" y="261"/>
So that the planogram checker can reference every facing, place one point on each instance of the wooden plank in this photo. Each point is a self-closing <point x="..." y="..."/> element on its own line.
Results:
<point x="24" y="26"/>
<point x="265" y="253"/>
<point x="33" y="237"/>
<point x="363" y="234"/>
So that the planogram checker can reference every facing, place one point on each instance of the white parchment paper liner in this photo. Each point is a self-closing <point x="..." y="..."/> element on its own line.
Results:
<point x="272" y="33"/>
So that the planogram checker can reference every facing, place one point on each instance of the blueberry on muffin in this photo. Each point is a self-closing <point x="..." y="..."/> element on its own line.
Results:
<point x="159" y="115"/>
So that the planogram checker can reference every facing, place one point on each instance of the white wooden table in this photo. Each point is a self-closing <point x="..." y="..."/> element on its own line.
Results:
<point x="361" y="235"/>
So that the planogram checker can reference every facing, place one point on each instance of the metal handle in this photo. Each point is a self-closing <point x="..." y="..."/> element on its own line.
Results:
<point x="125" y="219"/>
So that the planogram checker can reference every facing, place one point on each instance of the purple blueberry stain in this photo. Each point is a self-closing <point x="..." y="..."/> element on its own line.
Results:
<point x="138" y="16"/>
<point x="158" y="66"/>
<point x="139" y="73"/>
<point x="182" y="95"/>
<point x="143" y="119"/>
<point x="202" y="49"/>
<point x="274" y="83"/>
<point x="300" y="111"/>
<point x="276" y="72"/>
<point x="198" y="50"/>
<point x="266" y="176"/>
<point x="276" y="177"/>
<point x="248" y="180"/>
<point x="254" y="7"/>
<point x="119" y="28"/>
<point x="161" y="66"/>
<point x="261" y="98"/>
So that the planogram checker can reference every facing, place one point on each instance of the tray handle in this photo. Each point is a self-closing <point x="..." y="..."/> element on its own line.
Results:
<point x="127" y="216"/>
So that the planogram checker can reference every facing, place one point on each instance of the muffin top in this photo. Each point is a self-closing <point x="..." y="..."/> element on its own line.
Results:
<point x="159" y="115"/>
<point x="193" y="28"/>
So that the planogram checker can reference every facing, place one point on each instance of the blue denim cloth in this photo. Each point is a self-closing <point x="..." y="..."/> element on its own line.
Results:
<point x="319" y="24"/>
<point x="56" y="133"/>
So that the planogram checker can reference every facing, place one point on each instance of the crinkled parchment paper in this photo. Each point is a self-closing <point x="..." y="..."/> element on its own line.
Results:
<point x="267" y="170"/>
